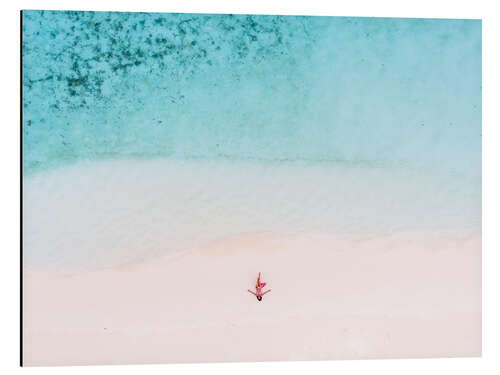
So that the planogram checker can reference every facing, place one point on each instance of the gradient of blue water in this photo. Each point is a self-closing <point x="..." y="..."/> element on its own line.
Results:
<point x="385" y="92"/>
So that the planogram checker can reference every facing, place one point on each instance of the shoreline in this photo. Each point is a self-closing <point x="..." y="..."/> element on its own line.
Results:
<point x="110" y="213"/>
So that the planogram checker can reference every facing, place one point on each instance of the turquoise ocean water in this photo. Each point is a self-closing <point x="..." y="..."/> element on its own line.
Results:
<point x="145" y="134"/>
<point x="371" y="91"/>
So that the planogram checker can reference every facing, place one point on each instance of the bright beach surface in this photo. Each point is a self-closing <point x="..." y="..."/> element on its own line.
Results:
<point x="400" y="296"/>
<point x="169" y="158"/>
<point x="163" y="278"/>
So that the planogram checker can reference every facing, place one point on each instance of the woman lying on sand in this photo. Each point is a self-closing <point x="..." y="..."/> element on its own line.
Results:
<point x="258" y="288"/>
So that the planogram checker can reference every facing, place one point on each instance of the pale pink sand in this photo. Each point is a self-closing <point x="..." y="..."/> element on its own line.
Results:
<point x="333" y="297"/>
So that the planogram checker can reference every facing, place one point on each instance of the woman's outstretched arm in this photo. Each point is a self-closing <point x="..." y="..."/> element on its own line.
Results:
<point x="252" y="293"/>
<point x="267" y="291"/>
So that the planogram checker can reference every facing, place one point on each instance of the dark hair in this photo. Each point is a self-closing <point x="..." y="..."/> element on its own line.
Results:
<point x="259" y="298"/>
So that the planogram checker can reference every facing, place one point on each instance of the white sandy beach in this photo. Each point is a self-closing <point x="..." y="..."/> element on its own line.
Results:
<point x="150" y="262"/>
<point x="412" y="294"/>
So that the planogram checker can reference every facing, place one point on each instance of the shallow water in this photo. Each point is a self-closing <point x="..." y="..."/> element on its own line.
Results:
<point x="102" y="214"/>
